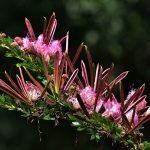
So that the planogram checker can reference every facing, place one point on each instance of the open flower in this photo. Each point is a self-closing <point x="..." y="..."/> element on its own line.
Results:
<point x="33" y="92"/>
<point x="44" y="46"/>
<point x="88" y="96"/>
<point x="134" y="109"/>
<point x="25" y="91"/>
<point x="142" y="104"/>
<point x="94" y="94"/>
<point x="112" y="108"/>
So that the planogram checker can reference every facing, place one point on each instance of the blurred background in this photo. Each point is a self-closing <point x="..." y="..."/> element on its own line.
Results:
<point x="115" y="31"/>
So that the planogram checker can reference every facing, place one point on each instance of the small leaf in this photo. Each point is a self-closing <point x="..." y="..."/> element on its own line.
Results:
<point x="92" y="137"/>
<point x="76" y="124"/>
<point x="80" y="129"/>
<point x="47" y="117"/>
<point x="97" y="137"/>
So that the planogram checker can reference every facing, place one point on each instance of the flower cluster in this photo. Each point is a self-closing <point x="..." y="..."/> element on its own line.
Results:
<point x="25" y="92"/>
<point x="44" y="46"/>
<point x="99" y="98"/>
<point x="63" y="87"/>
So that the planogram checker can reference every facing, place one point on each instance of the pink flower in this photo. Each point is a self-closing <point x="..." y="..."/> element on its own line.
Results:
<point x="141" y="105"/>
<point x="88" y="96"/>
<point x="44" y="46"/>
<point x="112" y="108"/>
<point x="27" y="45"/>
<point x="131" y="93"/>
<point x="39" y="46"/>
<point x="24" y="91"/>
<point x="32" y="91"/>
<point x="53" y="47"/>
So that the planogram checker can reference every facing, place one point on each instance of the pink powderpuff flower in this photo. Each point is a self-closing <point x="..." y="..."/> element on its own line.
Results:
<point x="134" y="107"/>
<point x="92" y="92"/>
<point x="53" y="47"/>
<point x="39" y="46"/>
<point x="112" y="108"/>
<point x="32" y="91"/>
<point x="23" y="91"/>
<point x="88" y="96"/>
<point x="141" y="105"/>
<point x="44" y="45"/>
<point x="27" y="45"/>
<point x="130" y="93"/>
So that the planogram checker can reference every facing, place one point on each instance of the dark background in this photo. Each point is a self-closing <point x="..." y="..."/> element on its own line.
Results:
<point x="114" y="30"/>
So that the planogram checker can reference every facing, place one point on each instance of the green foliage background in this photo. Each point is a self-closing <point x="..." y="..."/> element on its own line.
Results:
<point x="115" y="31"/>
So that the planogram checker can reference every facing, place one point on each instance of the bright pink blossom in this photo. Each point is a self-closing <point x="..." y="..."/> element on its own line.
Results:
<point x="130" y="93"/>
<point x="27" y="45"/>
<point x="39" y="47"/>
<point x="112" y="108"/>
<point x="23" y="90"/>
<point x="53" y="47"/>
<point x="141" y="105"/>
<point x="44" y="46"/>
<point x="32" y="91"/>
<point x="88" y="96"/>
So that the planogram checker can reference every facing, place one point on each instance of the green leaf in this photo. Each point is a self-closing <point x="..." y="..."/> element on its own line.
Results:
<point x="146" y="145"/>
<point x="92" y="137"/>
<point x="80" y="129"/>
<point x="2" y="98"/>
<point x="76" y="124"/>
<point x="47" y="117"/>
